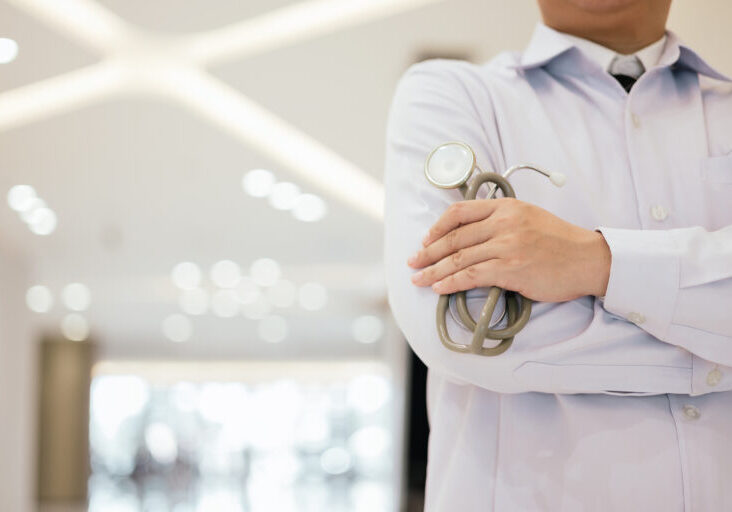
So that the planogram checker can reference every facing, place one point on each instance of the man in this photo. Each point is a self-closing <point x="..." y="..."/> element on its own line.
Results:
<point x="615" y="396"/>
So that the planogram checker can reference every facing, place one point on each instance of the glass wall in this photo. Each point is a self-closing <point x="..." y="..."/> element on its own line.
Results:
<point x="309" y="440"/>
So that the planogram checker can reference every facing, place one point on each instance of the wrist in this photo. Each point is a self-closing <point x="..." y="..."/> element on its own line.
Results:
<point x="601" y="259"/>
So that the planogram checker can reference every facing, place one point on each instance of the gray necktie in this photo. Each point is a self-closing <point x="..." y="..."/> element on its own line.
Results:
<point x="626" y="69"/>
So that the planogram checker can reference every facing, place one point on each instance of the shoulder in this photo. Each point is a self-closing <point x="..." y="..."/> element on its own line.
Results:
<point x="461" y="74"/>
<point x="457" y="84"/>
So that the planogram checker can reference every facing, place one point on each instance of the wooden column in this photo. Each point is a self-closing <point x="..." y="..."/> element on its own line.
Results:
<point x="63" y="442"/>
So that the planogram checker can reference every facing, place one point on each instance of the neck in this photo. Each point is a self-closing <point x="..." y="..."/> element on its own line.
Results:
<point x="624" y="31"/>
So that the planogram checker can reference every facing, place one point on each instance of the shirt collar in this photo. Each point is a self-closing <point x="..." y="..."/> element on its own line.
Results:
<point x="546" y="44"/>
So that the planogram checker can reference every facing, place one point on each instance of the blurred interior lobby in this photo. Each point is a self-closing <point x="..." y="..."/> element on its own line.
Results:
<point x="193" y="312"/>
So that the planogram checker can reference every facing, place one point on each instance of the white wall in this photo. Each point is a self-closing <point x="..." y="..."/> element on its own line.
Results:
<point x="18" y="374"/>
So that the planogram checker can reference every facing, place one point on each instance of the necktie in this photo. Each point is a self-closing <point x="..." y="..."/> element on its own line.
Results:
<point x="626" y="69"/>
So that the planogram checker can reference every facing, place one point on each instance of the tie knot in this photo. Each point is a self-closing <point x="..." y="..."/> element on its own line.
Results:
<point x="628" y="65"/>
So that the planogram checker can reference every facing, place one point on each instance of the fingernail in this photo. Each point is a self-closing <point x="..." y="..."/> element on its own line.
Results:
<point x="437" y="286"/>
<point x="425" y="240"/>
<point x="412" y="259"/>
<point x="416" y="277"/>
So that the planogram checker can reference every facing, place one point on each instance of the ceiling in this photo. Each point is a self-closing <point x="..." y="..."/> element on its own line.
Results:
<point x="141" y="181"/>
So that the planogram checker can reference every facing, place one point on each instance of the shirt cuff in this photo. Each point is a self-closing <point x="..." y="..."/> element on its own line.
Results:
<point x="644" y="277"/>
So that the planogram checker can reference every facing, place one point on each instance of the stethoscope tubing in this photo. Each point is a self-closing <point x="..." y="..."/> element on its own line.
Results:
<point x="518" y="307"/>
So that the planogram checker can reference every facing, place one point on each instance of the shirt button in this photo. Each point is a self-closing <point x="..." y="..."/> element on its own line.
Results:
<point x="658" y="212"/>
<point x="636" y="318"/>
<point x="691" y="412"/>
<point x="635" y="119"/>
<point x="714" y="377"/>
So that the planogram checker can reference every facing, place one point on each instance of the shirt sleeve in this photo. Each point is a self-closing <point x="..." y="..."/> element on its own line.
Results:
<point x="430" y="107"/>
<point x="676" y="285"/>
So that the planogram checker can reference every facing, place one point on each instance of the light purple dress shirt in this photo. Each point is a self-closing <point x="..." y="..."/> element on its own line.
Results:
<point x="622" y="405"/>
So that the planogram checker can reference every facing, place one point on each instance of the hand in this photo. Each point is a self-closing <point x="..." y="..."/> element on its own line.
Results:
<point x="514" y="245"/>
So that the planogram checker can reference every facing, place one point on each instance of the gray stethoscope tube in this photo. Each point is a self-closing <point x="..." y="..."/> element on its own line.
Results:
<point x="451" y="165"/>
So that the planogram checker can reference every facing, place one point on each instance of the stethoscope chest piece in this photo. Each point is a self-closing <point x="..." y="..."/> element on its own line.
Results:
<point x="450" y="165"/>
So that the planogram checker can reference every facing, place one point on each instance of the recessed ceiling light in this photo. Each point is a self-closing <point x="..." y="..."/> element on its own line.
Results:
<point x="284" y="195"/>
<point x="177" y="327"/>
<point x="8" y="50"/>
<point x="186" y="275"/>
<point x="265" y="271"/>
<point x="20" y="197"/>
<point x="39" y="299"/>
<point x="367" y="329"/>
<point x="193" y="302"/>
<point x="29" y="214"/>
<point x="225" y="274"/>
<point x="247" y="291"/>
<point x="43" y="221"/>
<point x="258" y="182"/>
<point x="309" y="208"/>
<point x="75" y="327"/>
<point x="225" y="304"/>
<point x="76" y="296"/>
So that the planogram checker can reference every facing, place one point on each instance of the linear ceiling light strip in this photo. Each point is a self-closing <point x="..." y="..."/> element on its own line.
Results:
<point x="54" y="96"/>
<point x="291" y="25"/>
<point x="278" y="140"/>
<point x="83" y="20"/>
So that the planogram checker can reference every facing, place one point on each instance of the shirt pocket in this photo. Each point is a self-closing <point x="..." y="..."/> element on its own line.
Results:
<point x="717" y="169"/>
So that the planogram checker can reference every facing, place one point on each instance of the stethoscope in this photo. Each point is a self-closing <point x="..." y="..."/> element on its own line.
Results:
<point x="451" y="165"/>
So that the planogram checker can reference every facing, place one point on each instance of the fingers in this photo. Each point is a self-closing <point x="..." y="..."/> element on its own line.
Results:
<point x="452" y="243"/>
<point x="485" y="273"/>
<point x="454" y="262"/>
<point x="462" y="212"/>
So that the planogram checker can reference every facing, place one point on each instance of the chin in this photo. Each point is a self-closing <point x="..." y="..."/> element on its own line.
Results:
<point x="603" y="6"/>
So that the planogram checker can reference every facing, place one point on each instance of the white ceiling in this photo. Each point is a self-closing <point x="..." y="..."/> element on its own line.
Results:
<point x="140" y="182"/>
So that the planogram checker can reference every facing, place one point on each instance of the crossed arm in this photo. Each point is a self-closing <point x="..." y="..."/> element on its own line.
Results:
<point x="513" y="245"/>
<point x="686" y="273"/>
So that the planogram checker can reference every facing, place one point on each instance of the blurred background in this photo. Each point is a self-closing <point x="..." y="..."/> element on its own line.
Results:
<point x="193" y="315"/>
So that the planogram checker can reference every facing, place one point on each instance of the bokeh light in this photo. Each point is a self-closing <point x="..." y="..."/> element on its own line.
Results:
<point x="225" y="274"/>
<point x="225" y="303"/>
<point x="186" y="275"/>
<point x="367" y="329"/>
<point x="284" y="195"/>
<point x="76" y="297"/>
<point x="8" y="50"/>
<point x="265" y="271"/>
<point x="39" y="299"/>
<point x="75" y="327"/>
<point x="309" y="208"/>
<point x="21" y="197"/>
<point x="193" y="302"/>
<point x="258" y="182"/>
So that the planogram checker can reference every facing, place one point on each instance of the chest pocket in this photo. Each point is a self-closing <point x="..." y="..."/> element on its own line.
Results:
<point x="717" y="169"/>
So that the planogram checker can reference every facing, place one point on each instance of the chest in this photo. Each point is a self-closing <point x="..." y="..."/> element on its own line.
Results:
<point x="658" y="158"/>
